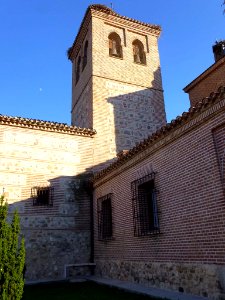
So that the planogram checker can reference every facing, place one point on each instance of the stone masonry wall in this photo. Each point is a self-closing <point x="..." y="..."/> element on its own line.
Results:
<point x="58" y="235"/>
<point x="192" y="278"/>
<point x="191" y="211"/>
<point x="125" y="115"/>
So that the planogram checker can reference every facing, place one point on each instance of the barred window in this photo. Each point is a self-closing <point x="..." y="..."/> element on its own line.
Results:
<point x="105" y="217"/>
<point x="145" y="213"/>
<point x="42" y="196"/>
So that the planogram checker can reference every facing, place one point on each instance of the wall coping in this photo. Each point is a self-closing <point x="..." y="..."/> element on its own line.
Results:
<point x="45" y="126"/>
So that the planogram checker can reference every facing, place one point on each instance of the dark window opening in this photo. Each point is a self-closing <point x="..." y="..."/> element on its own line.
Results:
<point x="145" y="212"/>
<point x="42" y="196"/>
<point x="78" y="69"/>
<point x="85" y="55"/>
<point x="138" y="52"/>
<point x="115" y="48"/>
<point x="105" y="217"/>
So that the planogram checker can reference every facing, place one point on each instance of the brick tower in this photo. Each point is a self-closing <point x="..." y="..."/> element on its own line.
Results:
<point x="116" y="81"/>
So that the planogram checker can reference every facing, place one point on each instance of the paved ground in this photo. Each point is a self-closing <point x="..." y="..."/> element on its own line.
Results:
<point x="133" y="287"/>
<point x="137" y="288"/>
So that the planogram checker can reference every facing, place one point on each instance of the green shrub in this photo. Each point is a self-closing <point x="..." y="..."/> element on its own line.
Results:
<point x="12" y="255"/>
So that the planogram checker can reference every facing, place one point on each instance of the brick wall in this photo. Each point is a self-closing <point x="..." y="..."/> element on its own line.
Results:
<point x="219" y="134"/>
<point x="207" y="82"/>
<point x="188" y="253"/>
<point x="57" y="235"/>
<point x="122" y="100"/>
<point x="128" y="99"/>
<point x="125" y="70"/>
<point x="81" y="110"/>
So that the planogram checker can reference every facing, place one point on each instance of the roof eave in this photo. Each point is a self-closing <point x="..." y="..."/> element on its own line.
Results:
<point x="45" y="126"/>
<point x="163" y="131"/>
<point x="194" y="82"/>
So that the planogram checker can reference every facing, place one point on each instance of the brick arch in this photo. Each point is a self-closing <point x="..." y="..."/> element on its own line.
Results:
<point x="139" y="52"/>
<point x="115" y="47"/>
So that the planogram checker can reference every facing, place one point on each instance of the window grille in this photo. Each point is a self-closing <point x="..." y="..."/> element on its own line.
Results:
<point x="105" y="217"/>
<point x="42" y="196"/>
<point x="144" y="200"/>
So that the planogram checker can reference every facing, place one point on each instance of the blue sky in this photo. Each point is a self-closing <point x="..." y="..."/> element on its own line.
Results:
<point x="35" y="73"/>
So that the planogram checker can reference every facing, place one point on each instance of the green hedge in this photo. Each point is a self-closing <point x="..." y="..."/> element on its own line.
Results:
<point x="12" y="255"/>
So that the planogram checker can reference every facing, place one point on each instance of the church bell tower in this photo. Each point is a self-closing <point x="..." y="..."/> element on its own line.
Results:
<point x="116" y="80"/>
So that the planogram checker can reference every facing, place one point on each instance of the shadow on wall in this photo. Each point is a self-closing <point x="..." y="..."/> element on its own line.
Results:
<point x="56" y="235"/>
<point x="138" y="114"/>
<point x="62" y="234"/>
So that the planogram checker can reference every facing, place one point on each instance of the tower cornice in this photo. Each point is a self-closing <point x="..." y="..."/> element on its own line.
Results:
<point x="107" y="14"/>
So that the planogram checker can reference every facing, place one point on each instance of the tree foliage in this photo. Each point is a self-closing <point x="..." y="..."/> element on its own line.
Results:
<point x="12" y="256"/>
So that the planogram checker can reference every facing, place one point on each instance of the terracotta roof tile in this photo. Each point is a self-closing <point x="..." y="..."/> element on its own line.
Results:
<point x="193" y="111"/>
<point x="108" y="10"/>
<point x="45" y="125"/>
